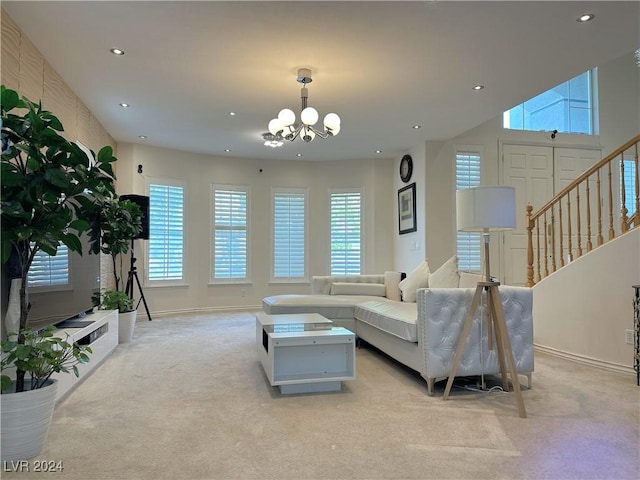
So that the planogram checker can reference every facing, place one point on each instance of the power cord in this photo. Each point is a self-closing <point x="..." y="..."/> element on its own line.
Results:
<point x="479" y="389"/>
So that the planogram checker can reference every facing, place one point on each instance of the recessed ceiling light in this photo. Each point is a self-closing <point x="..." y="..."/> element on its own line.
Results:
<point x="232" y="113"/>
<point x="478" y="87"/>
<point x="142" y="136"/>
<point x="585" y="17"/>
<point x="378" y="151"/>
<point x="227" y="150"/>
<point x="298" y="154"/>
<point x="117" y="51"/>
<point x="125" y="105"/>
<point x="416" y="127"/>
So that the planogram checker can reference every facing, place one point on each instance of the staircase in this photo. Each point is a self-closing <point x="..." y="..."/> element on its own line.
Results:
<point x="571" y="223"/>
<point x="584" y="313"/>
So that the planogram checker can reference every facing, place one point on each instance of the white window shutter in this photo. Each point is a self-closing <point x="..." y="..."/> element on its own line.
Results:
<point x="229" y="234"/>
<point x="289" y="226"/>
<point x="468" y="244"/>
<point x="346" y="235"/>
<point x="166" y="232"/>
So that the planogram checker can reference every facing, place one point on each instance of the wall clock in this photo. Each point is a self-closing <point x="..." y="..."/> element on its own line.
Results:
<point x="406" y="168"/>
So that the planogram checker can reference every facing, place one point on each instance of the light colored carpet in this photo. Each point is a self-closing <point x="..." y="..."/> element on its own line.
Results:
<point x="187" y="399"/>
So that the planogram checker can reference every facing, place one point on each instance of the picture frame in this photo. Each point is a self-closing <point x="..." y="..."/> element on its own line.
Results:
<point x="407" y="209"/>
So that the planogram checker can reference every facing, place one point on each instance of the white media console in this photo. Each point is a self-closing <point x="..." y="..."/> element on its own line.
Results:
<point x="101" y="334"/>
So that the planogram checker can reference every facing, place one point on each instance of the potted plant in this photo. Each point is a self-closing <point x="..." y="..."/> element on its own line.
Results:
<point x="49" y="195"/>
<point x="120" y="223"/>
<point x="40" y="354"/>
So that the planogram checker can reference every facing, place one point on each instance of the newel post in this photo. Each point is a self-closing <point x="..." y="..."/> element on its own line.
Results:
<point x="530" y="223"/>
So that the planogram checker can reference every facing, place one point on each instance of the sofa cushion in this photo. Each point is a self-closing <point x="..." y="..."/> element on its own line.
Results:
<point x="396" y="318"/>
<point x="329" y="306"/>
<point x="418" y="278"/>
<point x="446" y="276"/>
<point x="349" y="288"/>
<point x="321" y="284"/>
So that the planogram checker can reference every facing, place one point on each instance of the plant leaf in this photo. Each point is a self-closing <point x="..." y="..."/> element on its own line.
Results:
<point x="9" y="100"/>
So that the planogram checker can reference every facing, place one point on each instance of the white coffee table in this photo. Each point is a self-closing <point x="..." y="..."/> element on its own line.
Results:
<point x="304" y="353"/>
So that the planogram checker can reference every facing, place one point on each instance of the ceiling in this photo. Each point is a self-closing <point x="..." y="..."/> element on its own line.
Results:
<point x="382" y="66"/>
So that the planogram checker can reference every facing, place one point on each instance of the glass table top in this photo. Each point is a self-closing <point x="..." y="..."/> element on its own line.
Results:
<point x="297" y="327"/>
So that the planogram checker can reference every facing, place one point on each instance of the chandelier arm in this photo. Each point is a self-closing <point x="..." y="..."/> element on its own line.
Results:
<point x="320" y="133"/>
<point x="295" y="133"/>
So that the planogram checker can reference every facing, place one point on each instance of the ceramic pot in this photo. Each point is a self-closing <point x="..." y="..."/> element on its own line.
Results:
<point x="126" y="325"/>
<point x="26" y="417"/>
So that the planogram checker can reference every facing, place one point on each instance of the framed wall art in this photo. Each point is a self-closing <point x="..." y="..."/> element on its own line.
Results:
<point x="407" y="209"/>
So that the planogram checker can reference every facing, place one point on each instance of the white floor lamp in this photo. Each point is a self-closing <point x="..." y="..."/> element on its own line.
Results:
<point x="485" y="210"/>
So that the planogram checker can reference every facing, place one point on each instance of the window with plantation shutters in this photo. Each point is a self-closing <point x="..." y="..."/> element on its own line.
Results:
<point x="346" y="234"/>
<point x="289" y="227"/>
<point x="48" y="271"/>
<point x="468" y="244"/>
<point x="229" y="245"/>
<point x="166" y="232"/>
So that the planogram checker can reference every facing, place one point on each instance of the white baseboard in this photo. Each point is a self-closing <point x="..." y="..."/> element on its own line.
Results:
<point x="593" y="362"/>
<point x="161" y="313"/>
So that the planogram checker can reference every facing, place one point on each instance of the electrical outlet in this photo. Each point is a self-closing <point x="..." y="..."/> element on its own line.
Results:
<point x="628" y="335"/>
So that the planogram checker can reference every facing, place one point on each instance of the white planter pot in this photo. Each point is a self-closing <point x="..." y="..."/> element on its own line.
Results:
<point x="126" y="325"/>
<point x="26" y="417"/>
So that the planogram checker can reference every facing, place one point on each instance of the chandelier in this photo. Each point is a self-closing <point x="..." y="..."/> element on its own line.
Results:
<point x="285" y="125"/>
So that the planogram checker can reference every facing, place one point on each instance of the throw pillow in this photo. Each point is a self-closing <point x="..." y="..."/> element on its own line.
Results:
<point x="446" y="276"/>
<point x="418" y="278"/>
<point x="470" y="279"/>
<point x="392" y="284"/>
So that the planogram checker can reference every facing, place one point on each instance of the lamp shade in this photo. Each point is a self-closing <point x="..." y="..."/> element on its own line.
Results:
<point x="483" y="209"/>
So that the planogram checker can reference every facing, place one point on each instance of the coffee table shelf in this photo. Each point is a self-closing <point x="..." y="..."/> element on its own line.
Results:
<point x="304" y="353"/>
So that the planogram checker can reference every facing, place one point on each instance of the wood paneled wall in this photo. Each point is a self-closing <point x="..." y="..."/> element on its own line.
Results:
<point x="25" y="70"/>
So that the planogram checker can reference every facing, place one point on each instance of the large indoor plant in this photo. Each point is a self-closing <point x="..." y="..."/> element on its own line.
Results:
<point x="51" y="195"/>
<point x="120" y="223"/>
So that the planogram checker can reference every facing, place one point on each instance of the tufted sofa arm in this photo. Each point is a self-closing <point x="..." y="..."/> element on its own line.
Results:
<point x="441" y="315"/>
<point x="321" y="285"/>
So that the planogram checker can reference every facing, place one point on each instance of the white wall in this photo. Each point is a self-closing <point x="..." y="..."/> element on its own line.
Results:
<point x="409" y="248"/>
<point x="199" y="172"/>
<point x="584" y="310"/>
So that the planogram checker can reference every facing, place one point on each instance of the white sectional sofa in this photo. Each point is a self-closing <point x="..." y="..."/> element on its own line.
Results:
<point x="423" y="334"/>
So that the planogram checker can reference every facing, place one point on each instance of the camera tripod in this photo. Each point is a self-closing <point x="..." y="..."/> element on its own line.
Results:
<point x="133" y="273"/>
